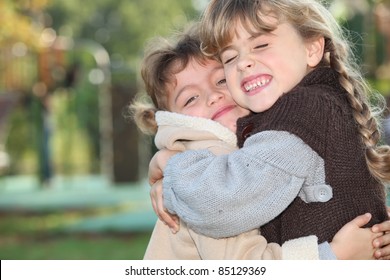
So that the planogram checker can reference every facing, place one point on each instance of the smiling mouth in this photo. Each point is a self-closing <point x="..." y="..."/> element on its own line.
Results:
<point x="252" y="85"/>
<point x="222" y="111"/>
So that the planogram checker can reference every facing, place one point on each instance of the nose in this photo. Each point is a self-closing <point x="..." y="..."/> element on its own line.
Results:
<point x="214" y="97"/>
<point x="245" y="62"/>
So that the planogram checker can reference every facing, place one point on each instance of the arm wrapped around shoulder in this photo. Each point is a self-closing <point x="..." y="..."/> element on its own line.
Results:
<point x="223" y="196"/>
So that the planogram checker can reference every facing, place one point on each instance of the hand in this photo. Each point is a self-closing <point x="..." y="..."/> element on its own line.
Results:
<point x="382" y="243"/>
<point x="156" y="195"/>
<point x="352" y="242"/>
<point x="157" y="165"/>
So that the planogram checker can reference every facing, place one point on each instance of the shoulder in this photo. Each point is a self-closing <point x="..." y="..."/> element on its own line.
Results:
<point x="318" y="99"/>
<point x="320" y="89"/>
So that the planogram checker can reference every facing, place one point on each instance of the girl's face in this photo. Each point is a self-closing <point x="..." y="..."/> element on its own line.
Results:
<point x="260" y="69"/>
<point x="201" y="91"/>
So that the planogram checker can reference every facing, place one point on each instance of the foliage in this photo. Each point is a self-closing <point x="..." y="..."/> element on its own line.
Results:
<point x="121" y="26"/>
<point x="18" y="24"/>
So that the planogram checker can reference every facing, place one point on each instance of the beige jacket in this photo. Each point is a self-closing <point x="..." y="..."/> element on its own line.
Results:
<point x="180" y="133"/>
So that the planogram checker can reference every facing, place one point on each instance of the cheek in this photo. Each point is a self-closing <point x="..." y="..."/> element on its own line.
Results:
<point x="233" y="87"/>
<point x="198" y="111"/>
<point x="236" y="96"/>
<point x="229" y="74"/>
<point x="289" y="75"/>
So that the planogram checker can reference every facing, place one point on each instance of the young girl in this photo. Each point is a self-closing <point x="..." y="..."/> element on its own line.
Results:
<point x="180" y="79"/>
<point x="288" y="62"/>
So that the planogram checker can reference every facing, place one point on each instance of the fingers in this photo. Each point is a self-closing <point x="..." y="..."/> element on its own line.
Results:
<point x="156" y="195"/>
<point x="362" y="220"/>
<point x="384" y="226"/>
<point x="383" y="240"/>
<point x="154" y="172"/>
<point x="154" y="205"/>
<point x="172" y="221"/>
<point x="383" y="253"/>
<point x="166" y="217"/>
<point x="177" y="220"/>
<point x="157" y="164"/>
<point x="382" y="243"/>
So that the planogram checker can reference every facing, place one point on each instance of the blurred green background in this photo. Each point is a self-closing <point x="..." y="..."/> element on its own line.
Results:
<point x="72" y="167"/>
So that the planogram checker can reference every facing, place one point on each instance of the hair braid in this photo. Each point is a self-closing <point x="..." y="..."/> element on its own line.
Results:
<point x="377" y="157"/>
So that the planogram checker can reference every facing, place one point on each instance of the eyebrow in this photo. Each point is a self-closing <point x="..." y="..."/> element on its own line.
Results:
<point x="250" y="38"/>
<point x="182" y="90"/>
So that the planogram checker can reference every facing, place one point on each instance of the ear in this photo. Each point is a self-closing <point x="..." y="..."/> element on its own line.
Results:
<point x="315" y="51"/>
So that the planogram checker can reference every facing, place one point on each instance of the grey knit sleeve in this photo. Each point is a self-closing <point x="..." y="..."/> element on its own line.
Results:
<point x="222" y="196"/>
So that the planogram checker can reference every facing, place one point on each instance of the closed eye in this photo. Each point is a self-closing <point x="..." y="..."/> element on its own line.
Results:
<point x="261" y="46"/>
<point x="229" y="60"/>
<point x="190" y="100"/>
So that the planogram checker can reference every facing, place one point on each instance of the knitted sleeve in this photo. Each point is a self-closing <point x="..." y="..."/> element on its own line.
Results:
<point x="222" y="196"/>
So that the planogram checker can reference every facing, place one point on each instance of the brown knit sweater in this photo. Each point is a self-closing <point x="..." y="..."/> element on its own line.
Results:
<point x="317" y="111"/>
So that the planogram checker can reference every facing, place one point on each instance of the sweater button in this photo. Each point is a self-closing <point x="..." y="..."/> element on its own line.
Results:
<point x="247" y="131"/>
<point x="323" y="193"/>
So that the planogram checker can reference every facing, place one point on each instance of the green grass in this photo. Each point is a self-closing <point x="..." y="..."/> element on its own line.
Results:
<point x="74" y="247"/>
<point x="40" y="236"/>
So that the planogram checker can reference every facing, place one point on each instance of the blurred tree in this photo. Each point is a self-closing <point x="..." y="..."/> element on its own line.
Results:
<point x="382" y="17"/>
<point x="362" y="19"/>
<point x="20" y="34"/>
<point x="18" y="24"/>
<point x="121" y="26"/>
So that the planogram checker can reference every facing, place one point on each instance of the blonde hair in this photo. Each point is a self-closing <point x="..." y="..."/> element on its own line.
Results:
<point x="164" y="57"/>
<point x="312" y="20"/>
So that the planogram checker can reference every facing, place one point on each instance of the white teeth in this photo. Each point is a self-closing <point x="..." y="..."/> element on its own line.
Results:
<point x="255" y="85"/>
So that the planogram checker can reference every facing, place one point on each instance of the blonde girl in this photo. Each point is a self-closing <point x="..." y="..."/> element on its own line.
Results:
<point x="191" y="87"/>
<point x="320" y="97"/>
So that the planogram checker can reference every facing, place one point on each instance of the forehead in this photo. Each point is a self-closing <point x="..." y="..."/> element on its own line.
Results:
<point x="267" y="24"/>
<point x="195" y="73"/>
<point x="201" y="68"/>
